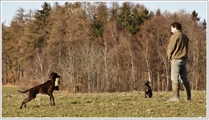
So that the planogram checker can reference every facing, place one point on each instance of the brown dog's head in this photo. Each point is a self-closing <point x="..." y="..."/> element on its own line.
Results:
<point x="56" y="78"/>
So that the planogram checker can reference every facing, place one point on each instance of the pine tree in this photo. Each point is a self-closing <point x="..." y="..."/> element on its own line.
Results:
<point x="133" y="27"/>
<point x="195" y="16"/>
<point x="42" y="26"/>
<point x="124" y="18"/>
<point x="100" y="19"/>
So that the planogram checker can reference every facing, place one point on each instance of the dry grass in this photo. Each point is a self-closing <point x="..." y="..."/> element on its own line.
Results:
<point x="131" y="104"/>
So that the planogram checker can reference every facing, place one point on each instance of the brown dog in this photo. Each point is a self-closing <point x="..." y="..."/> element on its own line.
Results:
<point x="46" y="88"/>
<point x="148" y="90"/>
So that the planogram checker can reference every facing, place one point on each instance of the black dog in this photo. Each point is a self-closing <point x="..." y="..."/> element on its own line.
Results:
<point x="46" y="88"/>
<point x="148" y="90"/>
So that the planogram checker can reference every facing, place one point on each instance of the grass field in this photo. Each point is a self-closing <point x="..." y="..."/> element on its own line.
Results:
<point x="131" y="104"/>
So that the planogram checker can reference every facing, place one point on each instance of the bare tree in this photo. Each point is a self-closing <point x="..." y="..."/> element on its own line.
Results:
<point x="111" y="34"/>
<point x="145" y="49"/>
<point x="41" y="68"/>
<point x="126" y="38"/>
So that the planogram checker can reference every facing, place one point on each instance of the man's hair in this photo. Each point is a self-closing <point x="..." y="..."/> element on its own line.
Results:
<point x="176" y="25"/>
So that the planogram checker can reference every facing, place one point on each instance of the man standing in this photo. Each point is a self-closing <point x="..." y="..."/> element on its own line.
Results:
<point x="177" y="54"/>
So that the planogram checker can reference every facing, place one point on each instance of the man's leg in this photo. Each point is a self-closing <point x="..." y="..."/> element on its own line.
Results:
<point x="183" y="75"/>
<point x="175" y="69"/>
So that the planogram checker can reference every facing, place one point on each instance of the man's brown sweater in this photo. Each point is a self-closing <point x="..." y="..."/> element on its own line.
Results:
<point x="178" y="46"/>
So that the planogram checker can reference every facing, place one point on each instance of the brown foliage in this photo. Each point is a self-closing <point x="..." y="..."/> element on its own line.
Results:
<point x="116" y="61"/>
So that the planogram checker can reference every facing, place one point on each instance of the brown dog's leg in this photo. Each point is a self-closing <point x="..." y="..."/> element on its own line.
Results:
<point x="51" y="99"/>
<point x="25" y="101"/>
<point x="32" y="95"/>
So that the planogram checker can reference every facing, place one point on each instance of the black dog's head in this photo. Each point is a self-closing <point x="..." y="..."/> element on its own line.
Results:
<point x="148" y="90"/>
<point x="147" y="83"/>
<point x="56" y="78"/>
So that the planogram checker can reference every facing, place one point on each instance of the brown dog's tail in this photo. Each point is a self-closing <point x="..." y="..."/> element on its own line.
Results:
<point x="23" y="91"/>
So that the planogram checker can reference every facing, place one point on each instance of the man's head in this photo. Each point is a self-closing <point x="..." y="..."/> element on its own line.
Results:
<point x="175" y="27"/>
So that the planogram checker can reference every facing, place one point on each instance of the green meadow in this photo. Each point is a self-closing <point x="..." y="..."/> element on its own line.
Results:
<point x="119" y="104"/>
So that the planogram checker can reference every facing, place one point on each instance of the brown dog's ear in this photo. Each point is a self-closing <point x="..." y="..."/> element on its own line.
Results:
<point x="51" y="75"/>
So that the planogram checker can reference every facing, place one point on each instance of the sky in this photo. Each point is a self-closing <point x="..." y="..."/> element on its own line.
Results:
<point x="9" y="8"/>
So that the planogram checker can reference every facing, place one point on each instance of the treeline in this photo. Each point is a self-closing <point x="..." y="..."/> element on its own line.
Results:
<point x="99" y="46"/>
